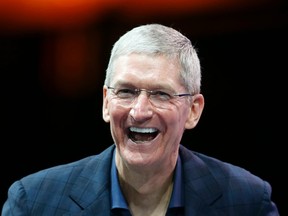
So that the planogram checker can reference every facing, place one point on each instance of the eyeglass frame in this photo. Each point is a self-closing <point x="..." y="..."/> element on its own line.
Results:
<point x="137" y="91"/>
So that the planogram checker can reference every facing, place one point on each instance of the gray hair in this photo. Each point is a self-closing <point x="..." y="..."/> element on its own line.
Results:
<point x="156" y="39"/>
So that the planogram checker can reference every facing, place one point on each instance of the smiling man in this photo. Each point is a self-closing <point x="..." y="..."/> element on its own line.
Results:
<point x="151" y="96"/>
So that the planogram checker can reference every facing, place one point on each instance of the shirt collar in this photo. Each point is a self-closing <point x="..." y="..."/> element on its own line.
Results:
<point x="117" y="197"/>
<point x="177" y="197"/>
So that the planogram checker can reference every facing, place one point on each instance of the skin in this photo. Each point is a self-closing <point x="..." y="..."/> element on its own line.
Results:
<point x="146" y="168"/>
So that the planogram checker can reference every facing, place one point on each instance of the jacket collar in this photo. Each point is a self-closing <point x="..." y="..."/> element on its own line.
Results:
<point x="92" y="188"/>
<point x="201" y="188"/>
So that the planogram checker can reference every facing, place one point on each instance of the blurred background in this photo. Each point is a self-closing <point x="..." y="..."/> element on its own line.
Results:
<point x="53" y="56"/>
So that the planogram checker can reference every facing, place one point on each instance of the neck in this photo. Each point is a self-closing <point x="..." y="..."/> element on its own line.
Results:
<point x="148" y="200"/>
<point x="147" y="190"/>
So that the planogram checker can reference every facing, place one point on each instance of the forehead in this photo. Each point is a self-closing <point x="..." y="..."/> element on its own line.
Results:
<point x="146" y="70"/>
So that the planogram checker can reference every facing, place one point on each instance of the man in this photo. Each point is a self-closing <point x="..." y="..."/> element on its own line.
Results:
<point x="151" y="95"/>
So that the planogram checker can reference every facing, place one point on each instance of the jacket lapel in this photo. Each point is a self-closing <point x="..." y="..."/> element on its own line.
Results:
<point x="92" y="191"/>
<point x="201" y="188"/>
<point x="92" y="188"/>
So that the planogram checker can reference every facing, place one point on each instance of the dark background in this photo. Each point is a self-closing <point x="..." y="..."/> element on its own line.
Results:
<point x="49" y="119"/>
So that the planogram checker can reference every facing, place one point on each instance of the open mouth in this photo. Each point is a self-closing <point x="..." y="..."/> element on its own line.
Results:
<point x="142" y="134"/>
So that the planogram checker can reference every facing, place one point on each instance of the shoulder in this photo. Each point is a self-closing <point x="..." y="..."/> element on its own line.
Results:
<point x="234" y="186"/>
<point x="51" y="190"/>
<point x="219" y="169"/>
<point x="66" y="174"/>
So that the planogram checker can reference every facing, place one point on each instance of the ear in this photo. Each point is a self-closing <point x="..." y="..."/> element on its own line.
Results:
<point x="196" y="109"/>
<point x="105" y="109"/>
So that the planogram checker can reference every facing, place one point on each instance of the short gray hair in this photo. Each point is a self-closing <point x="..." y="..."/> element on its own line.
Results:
<point x="157" y="39"/>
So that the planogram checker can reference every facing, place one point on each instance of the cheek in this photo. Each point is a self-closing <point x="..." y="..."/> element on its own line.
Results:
<point x="117" y="114"/>
<point x="117" y="120"/>
<point x="176" y="121"/>
<point x="177" y="116"/>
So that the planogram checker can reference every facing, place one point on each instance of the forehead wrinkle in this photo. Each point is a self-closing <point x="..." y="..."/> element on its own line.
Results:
<point x="143" y="85"/>
<point x="131" y="76"/>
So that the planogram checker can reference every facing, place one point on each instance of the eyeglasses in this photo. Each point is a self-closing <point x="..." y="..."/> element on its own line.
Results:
<point x="158" y="98"/>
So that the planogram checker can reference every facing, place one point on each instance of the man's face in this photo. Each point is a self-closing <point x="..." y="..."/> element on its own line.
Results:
<point x="146" y="135"/>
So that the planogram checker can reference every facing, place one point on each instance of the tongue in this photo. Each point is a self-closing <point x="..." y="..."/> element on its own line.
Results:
<point x="142" y="137"/>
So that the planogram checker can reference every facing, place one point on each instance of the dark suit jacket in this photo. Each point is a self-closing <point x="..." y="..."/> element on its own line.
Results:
<point x="83" y="188"/>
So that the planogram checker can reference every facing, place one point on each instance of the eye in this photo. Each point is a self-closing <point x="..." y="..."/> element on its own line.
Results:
<point x="125" y="92"/>
<point x="161" y="95"/>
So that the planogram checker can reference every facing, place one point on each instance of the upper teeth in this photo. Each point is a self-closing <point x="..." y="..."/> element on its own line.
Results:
<point x="142" y="130"/>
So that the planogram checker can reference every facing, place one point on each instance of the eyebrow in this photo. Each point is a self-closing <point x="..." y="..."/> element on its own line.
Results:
<point x="156" y="86"/>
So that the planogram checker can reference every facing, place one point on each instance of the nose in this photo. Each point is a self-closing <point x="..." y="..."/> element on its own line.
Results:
<point x="141" y="108"/>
